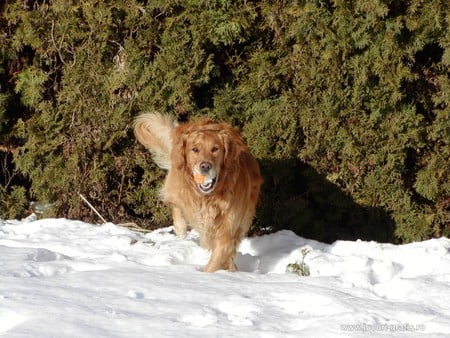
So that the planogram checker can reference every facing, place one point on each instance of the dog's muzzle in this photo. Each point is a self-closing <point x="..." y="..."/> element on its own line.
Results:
<point x="205" y="177"/>
<point x="207" y="186"/>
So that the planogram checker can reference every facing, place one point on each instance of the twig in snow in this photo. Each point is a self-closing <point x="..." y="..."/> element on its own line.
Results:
<point x="92" y="207"/>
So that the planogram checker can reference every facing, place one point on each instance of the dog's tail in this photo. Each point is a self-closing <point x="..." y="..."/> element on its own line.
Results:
<point x="153" y="130"/>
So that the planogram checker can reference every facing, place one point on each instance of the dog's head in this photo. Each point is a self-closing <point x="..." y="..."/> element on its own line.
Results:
<point x="206" y="152"/>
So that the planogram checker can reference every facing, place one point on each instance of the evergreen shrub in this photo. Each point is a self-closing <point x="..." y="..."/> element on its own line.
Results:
<point x="344" y="103"/>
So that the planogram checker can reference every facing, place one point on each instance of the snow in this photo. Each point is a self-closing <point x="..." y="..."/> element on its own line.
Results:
<point x="64" y="278"/>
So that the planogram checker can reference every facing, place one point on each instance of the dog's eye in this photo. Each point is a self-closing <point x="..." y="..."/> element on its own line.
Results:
<point x="195" y="150"/>
<point x="214" y="149"/>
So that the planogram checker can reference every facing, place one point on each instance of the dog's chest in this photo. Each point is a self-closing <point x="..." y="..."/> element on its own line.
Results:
<point x="205" y="214"/>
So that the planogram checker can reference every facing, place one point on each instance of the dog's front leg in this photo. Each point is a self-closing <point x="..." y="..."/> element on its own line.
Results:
<point x="179" y="223"/>
<point x="223" y="254"/>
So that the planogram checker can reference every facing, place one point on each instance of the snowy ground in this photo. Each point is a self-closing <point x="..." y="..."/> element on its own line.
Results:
<point x="62" y="278"/>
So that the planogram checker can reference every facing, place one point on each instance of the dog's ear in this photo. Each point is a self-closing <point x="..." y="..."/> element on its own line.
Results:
<point x="233" y="143"/>
<point x="178" y="155"/>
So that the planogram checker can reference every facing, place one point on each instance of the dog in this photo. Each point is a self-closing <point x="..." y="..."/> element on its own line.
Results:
<point x="213" y="182"/>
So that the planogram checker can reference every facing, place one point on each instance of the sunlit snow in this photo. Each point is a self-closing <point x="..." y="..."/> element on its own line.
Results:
<point x="64" y="278"/>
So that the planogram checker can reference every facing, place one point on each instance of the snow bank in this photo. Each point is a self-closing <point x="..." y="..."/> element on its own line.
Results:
<point x="72" y="279"/>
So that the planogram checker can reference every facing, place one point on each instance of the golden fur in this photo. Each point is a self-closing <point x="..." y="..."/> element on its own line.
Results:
<point x="222" y="207"/>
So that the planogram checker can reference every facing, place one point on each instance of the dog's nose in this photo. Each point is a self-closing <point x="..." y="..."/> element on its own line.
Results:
<point x="205" y="167"/>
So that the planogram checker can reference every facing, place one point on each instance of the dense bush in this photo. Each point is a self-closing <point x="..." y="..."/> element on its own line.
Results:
<point x="345" y="104"/>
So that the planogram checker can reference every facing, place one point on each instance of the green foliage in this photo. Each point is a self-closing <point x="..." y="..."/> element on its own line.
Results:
<point x="13" y="203"/>
<point x="300" y="267"/>
<point x="345" y="104"/>
<point x="30" y="85"/>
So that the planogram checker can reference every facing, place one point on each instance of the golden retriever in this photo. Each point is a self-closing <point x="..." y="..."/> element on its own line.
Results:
<point x="212" y="184"/>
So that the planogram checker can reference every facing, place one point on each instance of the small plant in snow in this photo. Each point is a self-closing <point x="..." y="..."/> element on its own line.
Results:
<point x="300" y="267"/>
